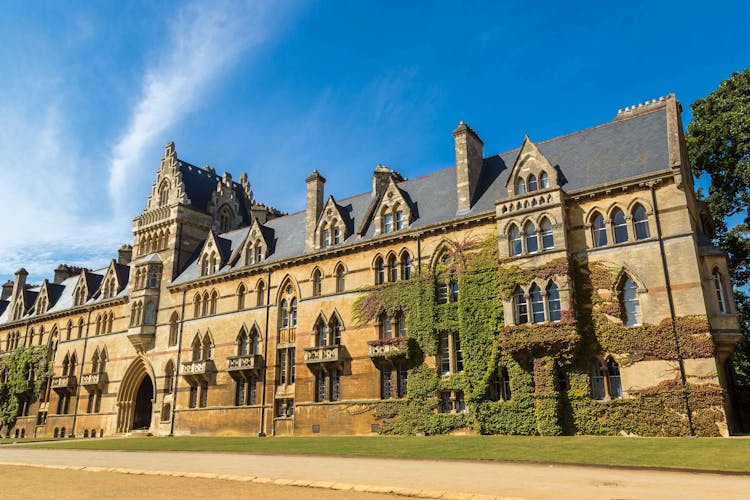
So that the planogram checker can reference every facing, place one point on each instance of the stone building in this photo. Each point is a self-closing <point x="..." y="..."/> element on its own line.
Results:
<point x="228" y="317"/>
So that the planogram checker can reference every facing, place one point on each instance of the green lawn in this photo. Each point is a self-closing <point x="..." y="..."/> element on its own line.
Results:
<point x="703" y="454"/>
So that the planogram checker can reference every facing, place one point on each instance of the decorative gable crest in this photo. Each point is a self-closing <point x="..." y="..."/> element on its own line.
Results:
<point x="334" y="225"/>
<point x="213" y="254"/>
<point x="394" y="210"/>
<point x="257" y="245"/>
<point x="112" y="283"/>
<point x="168" y="188"/>
<point x="42" y="303"/>
<point x="224" y="205"/>
<point x="531" y="171"/>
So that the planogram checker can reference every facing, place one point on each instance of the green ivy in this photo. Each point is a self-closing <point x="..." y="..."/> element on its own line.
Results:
<point x="16" y="366"/>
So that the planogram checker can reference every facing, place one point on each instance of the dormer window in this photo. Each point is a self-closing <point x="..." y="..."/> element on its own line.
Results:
<point x="521" y="187"/>
<point x="336" y="235"/>
<point x="399" y="220"/>
<point x="532" y="183"/>
<point x="387" y="223"/>
<point x="544" y="180"/>
<point x="153" y="279"/>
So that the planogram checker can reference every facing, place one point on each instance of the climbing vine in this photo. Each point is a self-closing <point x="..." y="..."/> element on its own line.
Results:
<point x="25" y="372"/>
<point x="548" y="388"/>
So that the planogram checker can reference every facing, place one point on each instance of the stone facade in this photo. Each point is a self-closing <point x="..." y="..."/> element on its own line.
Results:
<point x="210" y="323"/>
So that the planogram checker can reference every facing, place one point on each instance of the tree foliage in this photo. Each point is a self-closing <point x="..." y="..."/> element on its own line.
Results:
<point x="718" y="143"/>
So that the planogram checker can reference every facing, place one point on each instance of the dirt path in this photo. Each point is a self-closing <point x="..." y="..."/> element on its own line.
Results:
<point x="488" y="478"/>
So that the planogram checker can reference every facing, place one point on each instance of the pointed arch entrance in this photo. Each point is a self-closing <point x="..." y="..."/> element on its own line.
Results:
<point x="136" y="397"/>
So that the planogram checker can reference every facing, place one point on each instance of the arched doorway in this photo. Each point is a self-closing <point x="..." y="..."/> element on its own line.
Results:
<point x="135" y="397"/>
<point x="142" y="416"/>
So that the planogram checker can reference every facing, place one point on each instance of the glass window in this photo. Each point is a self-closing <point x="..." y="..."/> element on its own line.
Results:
<point x="284" y="314"/>
<point x="519" y="300"/>
<point x="442" y="293"/>
<point x="459" y="353"/>
<point x="336" y="235"/>
<point x="326" y="238"/>
<point x="405" y="266"/>
<point x="239" y="392"/>
<point x="544" y="180"/>
<point x="379" y="272"/>
<point x="320" y="386"/>
<point x="321" y="334"/>
<point x="340" y="283"/>
<point x="387" y="223"/>
<point x="335" y="385"/>
<point x="613" y="377"/>
<point x="386" y="327"/>
<point x="282" y="366"/>
<point x="399" y="219"/>
<point x="521" y="187"/>
<point x="719" y="287"/>
<point x="532" y="243"/>
<point x="386" y="391"/>
<point x="401" y="325"/>
<point x="548" y="239"/>
<point x="620" y="226"/>
<point x="553" y="302"/>
<point x="599" y="229"/>
<point x="532" y="183"/>
<point x="537" y="304"/>
<point x="631" y="303"/>
<point x="445" y="355"/>
<point x="454" y="291"/>
<point x="403" y="377"/>
<point x="317" y="283"/>
<point x="293" y="313"/>
<point x="640" y="223"/>
<point x="597" y="380"/>
<point x="516" y="247"/>
<point x="392" y="268"/>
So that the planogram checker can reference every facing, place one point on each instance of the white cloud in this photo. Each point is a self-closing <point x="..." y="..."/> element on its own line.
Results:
<point x="205" y="38"/>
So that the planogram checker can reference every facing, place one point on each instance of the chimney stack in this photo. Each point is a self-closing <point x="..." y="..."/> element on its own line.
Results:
<point x="19" y="284"/>
<point x="380" y="179"/>
<point x="468" y="165"/>
<point x="7" y="290"/>
<point x="64" y="271"/>
<point x="315" y="186"/>
<point x="125" y="254"/>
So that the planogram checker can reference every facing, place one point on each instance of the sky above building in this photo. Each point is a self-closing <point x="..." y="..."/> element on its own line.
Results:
<point x="92" y="91"/>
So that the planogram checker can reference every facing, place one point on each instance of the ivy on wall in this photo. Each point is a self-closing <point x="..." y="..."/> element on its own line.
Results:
<point x="16" y="367"/>
<point x="537" y="357"/>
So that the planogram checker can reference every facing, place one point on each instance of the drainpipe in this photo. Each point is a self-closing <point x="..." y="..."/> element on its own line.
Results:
<point x="670" y="299"/>
<point x="262" y="432"/>
<point x="80" y="375"/>
<point x="177" y="368"/>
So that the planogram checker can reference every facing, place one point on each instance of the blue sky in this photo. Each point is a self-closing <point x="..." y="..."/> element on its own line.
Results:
<point x="92" y="91"/>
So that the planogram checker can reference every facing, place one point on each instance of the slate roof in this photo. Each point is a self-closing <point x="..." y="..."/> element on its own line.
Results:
<point x="617" y="150"/>
<point x="200" y="185"/>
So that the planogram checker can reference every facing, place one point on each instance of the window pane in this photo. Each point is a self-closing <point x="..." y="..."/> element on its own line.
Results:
<point x="320" y="391"/>
<point x="537" y="305"/>
<point x="620" y="227"/>
<point x="532" y="182"/>
<point x="387" y="223"/>
<point x="553" y="302"/>
<point x="544" y="180"/>
<point x="640" y="221"/>
<point x="454" y="291"/>
<point x="548" y="239"/>
<point x="403" y="377"/>
<point x="520" y="306"/>
<point x="613" y="375"/>
<point x="442" y="293"/>
<point x="405" y="267"/>
<point x="445" y="360"/>
<point x="521" y="189"/>
<point x="387" y="327"/>
<point x="599" y="231"/>
<point x="385" y="383"/>
<point x="532" y="244"/>
<point x="631" y="303"/>
<point x="515" y="242"/>
<point x="719" y="287"/>
<point x="399" y="220"/>
<point x="335" y="385"/>
<point x="336" y="236"/>
<point x="459" y="353"/>
<point x="597" y="381"/>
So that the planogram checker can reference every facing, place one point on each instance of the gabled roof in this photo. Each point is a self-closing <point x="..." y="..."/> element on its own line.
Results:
<point x="200" y="185"/>
<point x="343" y="215"/>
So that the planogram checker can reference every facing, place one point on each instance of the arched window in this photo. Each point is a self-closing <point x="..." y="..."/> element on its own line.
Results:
<point x="103" y="361"/>
<point x="405" y="266"/>
<point x="597" y="380"/>
<point x="335" y="328"/>
<point x="520" y="307"/>
<point x="613" y="379"/>
<point x="207" y="347"/>
<point x="225" y="219"/>
<point x="204" y="265"/>
<point x="544" y="180"/>
<point x="284" y="314"/>
<point x="548" y="239"/>
<point x="214" y="263"/>
<point x="631" y="304"/>
<point x="386" y="326"/>
<point x="387" y="222"/>
<point x="401" y="330"/>
<point x="255" y="341"/>
<point x="163" y="193"/>
<point x="321" y="333"/>
<point x="721" y="299"/>
<point x="553" y="302"/>
<point x="340" y="281"/>
<point x="537" y="304"/>
<point x="197" y="305"/>
<point x="197" y="348"/>
<point x="261" y="293"/>
<point x="153" y="279"/>
<point x="521" y="186"/>
<point x="317" y="283"/>
<point x="169" y="377"/>
<point x="258" y="252"/>
<point x="325" y="235"/>
<point x="73" y="363"/>
<point x="392" y="268"/>
<point x="399" y="220"/>
<point x="620" y="226"/>
<point x="532" y="243"/>
<point x="241" y="297"/>
<point x="516" y="245"/>
<point x="110" y="321"/>
<point x="243" y="344"/>
<point x="599" y="230"/>
<point x="149" y="319"/>
<point x="95" y="362"/>
<point x="293" y="313"/>
<point x="336" y="234"/>
<point x="532" y="183"/>
<point x="379" y="271"/>
<point x="214" y="301"/>
<point x="640" y="223"/>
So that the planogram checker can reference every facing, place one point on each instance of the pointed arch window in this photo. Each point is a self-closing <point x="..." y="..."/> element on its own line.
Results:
<point x="241" y="297"/>
<point x="405" y="266"/>
<point x="225" y="219"/>
<point x="596" y="375"/>
<point x="387" y="222"/>
<point x="516" y="245"/>
<point x="401" y="330"/>
<point x="293" y="313"/>
<point x="386" y="327"/>
<point x="204" y="265"/>
<point x="153" y="279"/>
<point x="392" y="268"/>
<point x="520" y="307"/>
<point x="340" y="279"/>
<point x="630" y="303"/>
<point x="548" y="238"/>
<point x="521" y="186"/>
<point x="173" y="329"/>
<point x="197" y="306"/>
<point x="544" y="180"/>
<point x="284" y="314"/>
<point x="336" y="235"/>
<point x="317" y="283"/>
<point x="599" y="230"/>
<point x="379" y="271"/>
<point x="169" y="377"/>
<point x="537" y="304"/>
<point x="718" y="283"/>
<point x="163" y="193"/>
<point x="207" y="347"/>
<point x="532" y="243"/>
<point x="321" y="333"/>
<point x="532" y="183"/>
<point x="197" y="348"/>
<point x="261" y="299"/>
<point x="214" y="302"/>
<point x="620" y="226"/>
<point x="613" y="379"/>
<point x="640" y="222"/>
<point x="553" y="302"/>
<point x="243" y="344"/>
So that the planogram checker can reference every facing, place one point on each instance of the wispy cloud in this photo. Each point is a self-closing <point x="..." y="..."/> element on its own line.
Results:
<point x="205" y="39"/>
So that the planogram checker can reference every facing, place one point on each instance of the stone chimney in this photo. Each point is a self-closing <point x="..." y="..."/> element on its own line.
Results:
<point x="468" y="165"/>
<point x="315" y="187"/>
<point x="19" y="283"/>
<point x="64" y="271"/>
<point x="7" y="290"/>
<point x="125" y="254"/>
<point x="380" y="179"/>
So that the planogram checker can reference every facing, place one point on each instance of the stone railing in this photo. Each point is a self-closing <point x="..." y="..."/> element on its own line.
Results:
<point x="386" y="348"/>
<point x="328" y="354"/>
<point x="93" y="379"/>
<point x="154" y="215"/>
<point x="201" y="367"/>
<point x="64" y="382"/>
<point x="248" y="362"/>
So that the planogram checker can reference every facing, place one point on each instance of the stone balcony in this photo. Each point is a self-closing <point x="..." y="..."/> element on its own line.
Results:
<point x="327" y="354"/>
<point x="94" y="380"/>
<point x="142" y="337"/>
<point x="64" y="383"/>
<point x="388" y="348"/>
<point x="198" y="371"/>
<point x="237" y="365"/>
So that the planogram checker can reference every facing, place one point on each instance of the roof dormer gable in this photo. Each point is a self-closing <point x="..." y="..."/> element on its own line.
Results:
<point x="531" y="171"/>
<point x="114" y="280"/>
<point x="42" y="302"/>
<point x="394" y="210"/>
<point x="225" y="205"/>
<point x="334" y="225"/>
<point x="258" y="244"/>
<point x="81" y="291"/>
<point x="213" y="255"/>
